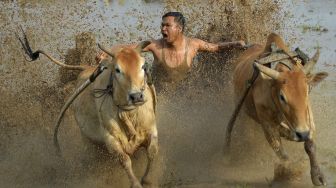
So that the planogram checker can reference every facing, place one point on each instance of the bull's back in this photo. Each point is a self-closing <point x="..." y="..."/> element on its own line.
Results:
<point x="244" y="68"/>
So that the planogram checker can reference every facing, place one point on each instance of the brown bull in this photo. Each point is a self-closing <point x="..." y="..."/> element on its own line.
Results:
<point x="279" y="100"/>
<point x="124" y="120"/>
<point x="118" y="109"/>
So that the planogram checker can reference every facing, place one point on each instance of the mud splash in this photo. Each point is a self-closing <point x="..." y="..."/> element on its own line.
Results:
<point x="191" y="120"/>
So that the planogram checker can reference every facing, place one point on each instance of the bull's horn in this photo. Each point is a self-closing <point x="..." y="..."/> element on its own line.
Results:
<point x="269" y="72"/>
<point x="310" y="65"/>
<point x="142" y="45"/>
<point x="106" y="50"/>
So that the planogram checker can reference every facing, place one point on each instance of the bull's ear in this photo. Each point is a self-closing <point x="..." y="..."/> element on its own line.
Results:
<point x="314" y="79"/>
<point x="142" y="45"/>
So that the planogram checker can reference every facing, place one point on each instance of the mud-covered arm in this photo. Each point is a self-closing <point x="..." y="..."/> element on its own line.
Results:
<point x="216" y="47"/>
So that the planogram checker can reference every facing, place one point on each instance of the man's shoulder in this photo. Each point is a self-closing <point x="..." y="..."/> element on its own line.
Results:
<point x="195" y="42"/>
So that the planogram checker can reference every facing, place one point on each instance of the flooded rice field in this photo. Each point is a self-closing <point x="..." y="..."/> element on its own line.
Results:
<point x="191" y="118"/>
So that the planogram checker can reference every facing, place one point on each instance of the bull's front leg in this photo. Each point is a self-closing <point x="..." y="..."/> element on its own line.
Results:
<point x="315" y="171"/>
<point x="152" y="150"/>
<point x="272" y="135"/>
<point x="113" y="145"/>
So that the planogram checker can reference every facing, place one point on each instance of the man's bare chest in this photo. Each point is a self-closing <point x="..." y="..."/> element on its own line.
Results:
<point x="173" y="58"/>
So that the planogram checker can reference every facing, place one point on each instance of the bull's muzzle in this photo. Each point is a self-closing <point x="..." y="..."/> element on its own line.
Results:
<point x="137" y="97"/>
<point x="302" y="135"/>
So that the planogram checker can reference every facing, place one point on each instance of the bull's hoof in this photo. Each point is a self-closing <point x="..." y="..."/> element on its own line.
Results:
<point x="317" y="177"/>
<point x="147" y="184"/>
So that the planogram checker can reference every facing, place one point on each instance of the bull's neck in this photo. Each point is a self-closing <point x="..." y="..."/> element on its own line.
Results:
<point x="275" y="107"/>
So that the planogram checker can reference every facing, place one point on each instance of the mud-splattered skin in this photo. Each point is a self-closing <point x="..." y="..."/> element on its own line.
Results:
<point x="279" y="101"/>
<point x="174" y="52"/>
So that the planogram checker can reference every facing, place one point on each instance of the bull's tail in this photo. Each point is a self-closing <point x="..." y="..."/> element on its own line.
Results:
<point x="34" y="55"/>
<point x="78" y="91"/>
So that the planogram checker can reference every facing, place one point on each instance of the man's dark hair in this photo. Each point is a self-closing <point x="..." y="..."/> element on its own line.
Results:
<point x="179" y="18"/>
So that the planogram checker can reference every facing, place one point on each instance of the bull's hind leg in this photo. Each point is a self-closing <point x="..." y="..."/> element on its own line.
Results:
<point x="152" y="151"/>
<point x="315" y="171"/>
<point x="114" y="146"/>
<point x="272" y="135"/>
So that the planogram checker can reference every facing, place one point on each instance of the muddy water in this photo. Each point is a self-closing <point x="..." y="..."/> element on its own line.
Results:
<point x="191" y="120"/>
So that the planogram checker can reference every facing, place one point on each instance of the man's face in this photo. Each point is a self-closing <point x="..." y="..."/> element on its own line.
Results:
<point x="170" y="30"/>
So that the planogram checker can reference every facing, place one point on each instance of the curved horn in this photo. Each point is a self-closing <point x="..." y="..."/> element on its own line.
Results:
<point x="269" y="72"/>
<point x="310" y="65"/>
<point x="106" y="50"/>
<point x="142" y="45"/>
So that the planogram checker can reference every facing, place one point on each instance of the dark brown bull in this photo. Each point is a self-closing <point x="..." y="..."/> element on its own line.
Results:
<point x="279" y="100"/>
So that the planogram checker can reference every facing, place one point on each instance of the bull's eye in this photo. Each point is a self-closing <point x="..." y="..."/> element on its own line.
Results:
<point x="117" y="70"/>
<point x="282" y="97"/>
<point x="145" y="67"/>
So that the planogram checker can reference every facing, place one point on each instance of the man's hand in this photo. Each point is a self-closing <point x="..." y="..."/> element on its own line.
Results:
<point x="100" y="55"/>
<point x="239" y="44"/>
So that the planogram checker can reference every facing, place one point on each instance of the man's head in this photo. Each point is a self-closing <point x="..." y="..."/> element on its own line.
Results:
<point x="172" y="26"/>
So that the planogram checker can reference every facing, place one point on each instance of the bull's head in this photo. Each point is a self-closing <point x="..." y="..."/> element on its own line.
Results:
<point x="290" y="90"/>
<point x="128" y="76"/>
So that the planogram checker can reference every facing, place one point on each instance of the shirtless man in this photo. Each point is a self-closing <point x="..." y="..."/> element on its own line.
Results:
<point x="174" y="52"/>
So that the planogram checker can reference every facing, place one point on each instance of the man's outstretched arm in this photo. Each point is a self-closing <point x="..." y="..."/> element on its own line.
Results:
<point x="212" y="47"/>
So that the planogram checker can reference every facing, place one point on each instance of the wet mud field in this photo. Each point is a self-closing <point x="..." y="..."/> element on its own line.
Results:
<point x="191" y="116"/>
